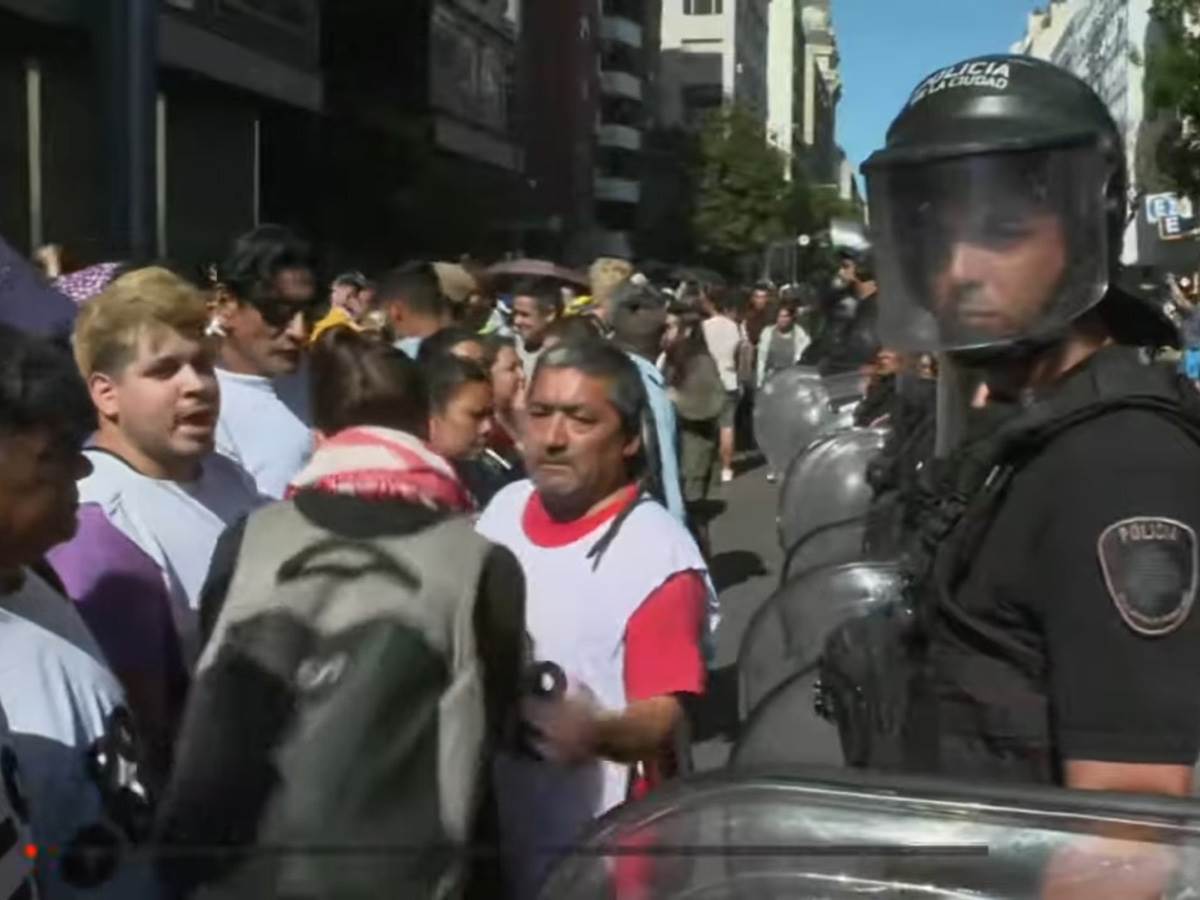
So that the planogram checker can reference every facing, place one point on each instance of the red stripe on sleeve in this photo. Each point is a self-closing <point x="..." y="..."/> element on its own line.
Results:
<point x="663" y="652"/>
<point x="663" y="656"/>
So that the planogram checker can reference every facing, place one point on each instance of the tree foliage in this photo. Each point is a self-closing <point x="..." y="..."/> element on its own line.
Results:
<point x="742" y="200"/>
<point x="1173" y="87"/>
<point x="827" y="204"/>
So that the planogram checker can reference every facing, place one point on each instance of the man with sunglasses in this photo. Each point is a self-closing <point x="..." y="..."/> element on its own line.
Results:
<point x="267" y="302"/>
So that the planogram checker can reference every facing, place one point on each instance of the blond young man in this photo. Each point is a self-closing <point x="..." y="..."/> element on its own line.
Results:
<point x="158" y="496"/>
<point x="604" y="276"/>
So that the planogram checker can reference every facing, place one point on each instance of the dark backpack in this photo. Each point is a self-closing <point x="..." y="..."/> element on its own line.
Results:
<point x="333" y="740"/>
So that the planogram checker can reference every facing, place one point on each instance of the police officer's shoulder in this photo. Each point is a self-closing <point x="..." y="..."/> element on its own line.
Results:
<point x="1124" y="495"/>
<point x="1133" y="441"/>
<point x="1125" y="462"/>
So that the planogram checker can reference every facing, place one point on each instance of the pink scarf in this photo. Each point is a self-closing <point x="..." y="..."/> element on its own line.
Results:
<point x="382" y="464"/>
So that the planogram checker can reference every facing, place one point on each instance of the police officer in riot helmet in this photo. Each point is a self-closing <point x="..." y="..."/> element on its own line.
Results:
<point x="846" y="340"/>
<point x="1056" y="639"/>
<point x="854" y="317"/>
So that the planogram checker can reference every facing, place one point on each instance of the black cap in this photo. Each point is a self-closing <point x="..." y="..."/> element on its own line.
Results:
<point x="355" y="279"/>
<point x="993" y="104"/>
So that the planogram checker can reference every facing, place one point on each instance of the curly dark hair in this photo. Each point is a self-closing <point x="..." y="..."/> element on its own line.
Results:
<point x="40" y="387"/>
<point x="259" y="255"/>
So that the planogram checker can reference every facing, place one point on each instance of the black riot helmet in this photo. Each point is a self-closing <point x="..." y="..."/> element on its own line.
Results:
<point x="998" y="205"/>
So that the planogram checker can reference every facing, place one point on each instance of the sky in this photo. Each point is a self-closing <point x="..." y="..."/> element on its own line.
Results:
<point x="888" y="46"/>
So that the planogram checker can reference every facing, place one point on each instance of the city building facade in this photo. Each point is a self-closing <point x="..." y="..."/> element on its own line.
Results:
<point x="821" y="92"/>
<point x="847" y="184"/>
<point x="1044" y="29"/>
<point x="226" y="69"/>
<point x="589" y="89"/>
<point x="714" y="52"/>
<point x="381" y="130"/>
<point x="804" y="88"/>
<point x="418" y="147"/>
<point x="629" y="71"/>
<point x="1107" y="44"/>
<point x="785" y="78"/>
<point x="559" y="95"/>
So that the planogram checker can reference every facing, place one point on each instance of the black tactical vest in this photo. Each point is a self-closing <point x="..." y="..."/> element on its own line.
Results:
<point x="899" y="691"/>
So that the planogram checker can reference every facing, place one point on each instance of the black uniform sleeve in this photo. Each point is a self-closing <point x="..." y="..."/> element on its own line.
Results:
<point x="1115" y="577"/>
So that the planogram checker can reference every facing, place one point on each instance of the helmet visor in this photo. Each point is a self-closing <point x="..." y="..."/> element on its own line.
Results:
<point x="985" y="250"/>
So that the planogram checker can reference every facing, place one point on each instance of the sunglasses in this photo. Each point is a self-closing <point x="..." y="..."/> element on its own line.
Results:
<point x="278" y="313"/>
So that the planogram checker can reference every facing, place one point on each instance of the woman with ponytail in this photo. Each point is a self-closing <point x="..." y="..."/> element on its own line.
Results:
<point x="370" y="567"/>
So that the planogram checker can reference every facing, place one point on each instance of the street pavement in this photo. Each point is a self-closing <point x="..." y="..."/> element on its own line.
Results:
<point x="745" y="566"/>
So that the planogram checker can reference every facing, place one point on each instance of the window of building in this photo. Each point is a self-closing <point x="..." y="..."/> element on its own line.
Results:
<point x="629" y="9"/>
<point x="702" y="7"/>
<point x="618" y="57"/>
<point x="622" y="111"/>
<point x="617" y="162"/>
<point x="699" y="100"/>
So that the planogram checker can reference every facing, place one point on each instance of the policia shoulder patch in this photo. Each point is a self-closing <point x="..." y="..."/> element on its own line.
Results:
<point x="1149" y="568"/>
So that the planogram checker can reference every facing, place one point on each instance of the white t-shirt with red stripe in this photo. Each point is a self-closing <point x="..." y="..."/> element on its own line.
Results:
<point x="626" y="629"/>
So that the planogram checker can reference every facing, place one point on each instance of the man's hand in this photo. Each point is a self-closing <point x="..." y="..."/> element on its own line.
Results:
<point x="1113" y="865"/>
<point x="566" y="727"/>
<point x="573" y="729"/>
<point x="1109" y="869"/>
<point x="1132" y="778"/>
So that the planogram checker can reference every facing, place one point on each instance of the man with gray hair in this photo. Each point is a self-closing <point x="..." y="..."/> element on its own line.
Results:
<point x="617" y="598"/>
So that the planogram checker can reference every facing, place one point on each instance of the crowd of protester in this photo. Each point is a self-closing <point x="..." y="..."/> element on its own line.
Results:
<point x="409" y="561"/>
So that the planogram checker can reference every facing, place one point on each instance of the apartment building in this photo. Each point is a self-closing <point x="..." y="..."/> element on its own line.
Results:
<point x="713" y="52"/>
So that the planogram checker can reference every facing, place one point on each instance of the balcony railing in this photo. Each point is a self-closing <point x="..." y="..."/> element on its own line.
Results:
<point x="621" y="136"/>
<point x="622" y="111"/>
<point x="621" y="84"/>
<point x="618" y="28"/>
<point x="620" y="190"/>
<point x="618" y="57"/>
